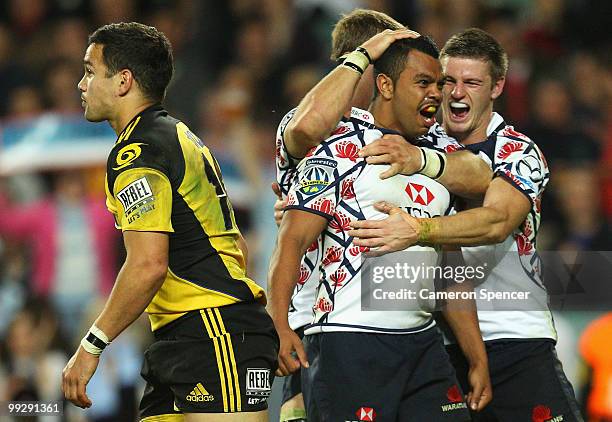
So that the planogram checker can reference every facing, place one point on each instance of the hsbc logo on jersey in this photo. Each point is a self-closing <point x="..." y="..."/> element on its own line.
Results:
<point x="419" y="194"/>
<point x="365" y="414"/>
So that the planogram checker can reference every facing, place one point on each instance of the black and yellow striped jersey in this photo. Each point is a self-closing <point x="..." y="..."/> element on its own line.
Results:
<point x="161" y="177"/>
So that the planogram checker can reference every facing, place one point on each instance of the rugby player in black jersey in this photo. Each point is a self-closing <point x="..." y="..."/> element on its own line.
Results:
<point x="215" y="346"/>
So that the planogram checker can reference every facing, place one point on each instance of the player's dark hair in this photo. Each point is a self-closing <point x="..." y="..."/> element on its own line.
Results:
<point x="142" y="49"/>
<point x="474" y="43"/>
<point x="393" y="60"/>
<point x="357" y="27"/>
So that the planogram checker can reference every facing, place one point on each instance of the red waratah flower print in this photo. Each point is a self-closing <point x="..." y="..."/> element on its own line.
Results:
<point x="509" y="131"/>
<point x="524" y="245"/>
<point x="452" y="148"/>
<point x="454" y="394"/>
<point x="313" y="247"/>
<point x="323" y="205"/>
<point x="340" y="222"/>
<point x="291" y="199"/>
<point x="310" y="152"/>
<point x="512" y="177"/>
<point x="509" y="148"/>
<point x="527" y="230"/>
<point x="332" y="254"/>
<point x="541" y="413"/>
<point x="356" y="250"/>
<point x="347" y="192"/>
<point x="346" y="149"/>
<point x="341" y="130"/>
<point x="304" y="274"/>
<point x="338" y="277"/>
<point x="324" y="305"/>
<point x="538" y="204"/>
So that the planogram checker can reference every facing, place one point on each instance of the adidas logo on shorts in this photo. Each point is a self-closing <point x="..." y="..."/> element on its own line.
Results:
<point x="199" y="394"/>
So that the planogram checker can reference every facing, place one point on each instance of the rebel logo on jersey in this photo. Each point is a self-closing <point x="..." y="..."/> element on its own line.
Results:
<point x="419" y="194"/>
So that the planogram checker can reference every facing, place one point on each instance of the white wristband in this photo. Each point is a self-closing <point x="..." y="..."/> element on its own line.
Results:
<point x="95" y="341"/>
<point x="433" y="163"/>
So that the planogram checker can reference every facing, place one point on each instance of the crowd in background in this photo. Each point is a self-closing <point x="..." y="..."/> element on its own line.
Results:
<point x="239" y="66"/>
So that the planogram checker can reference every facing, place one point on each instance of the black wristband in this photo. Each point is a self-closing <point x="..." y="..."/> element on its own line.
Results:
<point x="93" y="339"/>
<point x="365" y="53"/>
<point x="353" y="66"/>
<point x="442" y="165"/>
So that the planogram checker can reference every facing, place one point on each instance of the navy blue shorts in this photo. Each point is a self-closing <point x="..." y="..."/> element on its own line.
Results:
<point x="528" y="382"/>
<point x="381" y="377"/>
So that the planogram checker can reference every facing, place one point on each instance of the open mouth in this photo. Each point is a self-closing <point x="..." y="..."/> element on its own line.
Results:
<point x="429" y="113"/>
<point x="459" y="110"/>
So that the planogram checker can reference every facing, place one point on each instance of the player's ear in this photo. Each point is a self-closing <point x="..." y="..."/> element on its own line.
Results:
<point x="125" y="81"/>
<point x="384" y="85"/>
<point x="498" y="88"/>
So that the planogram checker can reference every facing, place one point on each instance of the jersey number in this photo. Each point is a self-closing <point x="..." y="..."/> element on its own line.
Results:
<point x="217" y="182"/>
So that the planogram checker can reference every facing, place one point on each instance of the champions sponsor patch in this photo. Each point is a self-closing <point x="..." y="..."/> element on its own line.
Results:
<point x="258" y="382"/>
<point x="318" y="173"/>
<point x="137" y="196"/>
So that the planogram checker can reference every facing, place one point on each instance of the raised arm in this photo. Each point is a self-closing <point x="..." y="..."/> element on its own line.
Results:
<point x="323" y="106"/>
<point x="297" y="231"/>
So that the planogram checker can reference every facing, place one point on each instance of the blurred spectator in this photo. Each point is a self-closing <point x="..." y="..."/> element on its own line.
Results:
<point x="109" y="11"/>
<point x="227" y="129"/>
<point x="554" y="127"/>
<point x="73" y="243"/>
<point x="595" y="346"/>
<point x="34" y="354"/>
<point x="59" y="87"/>
<point x="24" y="102"/>
<point x="578" y="194"/>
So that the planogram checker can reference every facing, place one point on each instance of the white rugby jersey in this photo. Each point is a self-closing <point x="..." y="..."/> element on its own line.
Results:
<point x="514" y="264"/>
<point x="332" y="181"/>
<point x="300" y="307"/>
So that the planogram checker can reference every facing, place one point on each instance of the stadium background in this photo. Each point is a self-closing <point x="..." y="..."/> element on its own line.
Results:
<point x="240" y="65"/>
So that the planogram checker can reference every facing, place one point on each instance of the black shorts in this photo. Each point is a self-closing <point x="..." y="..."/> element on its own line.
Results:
<point x="292" y="383"/>
<point x="382" y="377"/>
<point x="211" y="361"/>
<point x="528" y="382"/>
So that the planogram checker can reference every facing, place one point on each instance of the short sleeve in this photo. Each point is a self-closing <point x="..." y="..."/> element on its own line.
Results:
<point x="138" y="188"/>
<point x="286" y="164"/>
<point x="143" y="201"/>
<point x="523" y="165"/>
